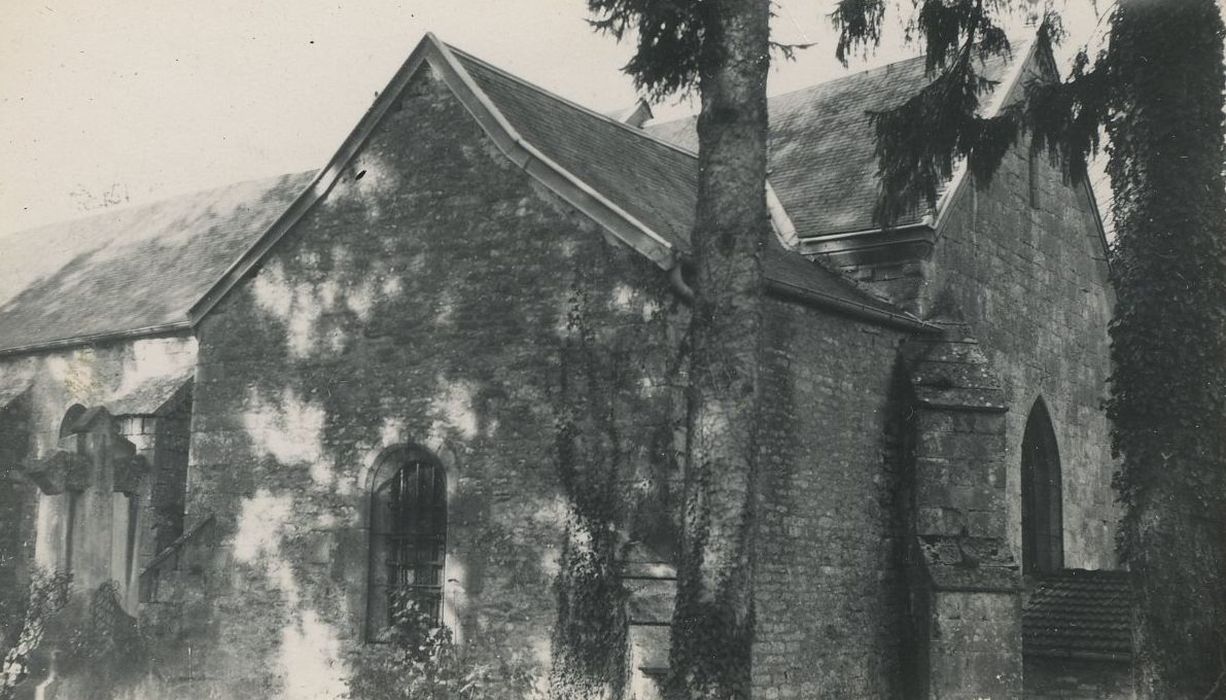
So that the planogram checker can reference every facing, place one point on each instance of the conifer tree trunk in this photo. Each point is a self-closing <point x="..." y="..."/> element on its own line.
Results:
<point x="1168" y="401"/>
<point x="713" y="623"/>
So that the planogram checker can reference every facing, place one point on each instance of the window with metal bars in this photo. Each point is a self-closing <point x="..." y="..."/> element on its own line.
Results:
<point x="408" y="540"/>
<point x="1042" y="496"/>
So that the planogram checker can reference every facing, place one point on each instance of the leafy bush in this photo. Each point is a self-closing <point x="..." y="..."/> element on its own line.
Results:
<point x="47" y="594"/>
<point x="416" y="658"/>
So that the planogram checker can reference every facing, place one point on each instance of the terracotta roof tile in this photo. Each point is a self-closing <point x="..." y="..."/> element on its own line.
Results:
<point x="1079" y="612"/>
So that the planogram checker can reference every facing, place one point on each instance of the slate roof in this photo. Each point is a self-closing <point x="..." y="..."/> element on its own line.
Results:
<point x="821" y="145"/>
<point x="139" y="270"/>
<point x="654" y="180"/>
<point x="1079" y="613"/>
<point x="135" y="268"/>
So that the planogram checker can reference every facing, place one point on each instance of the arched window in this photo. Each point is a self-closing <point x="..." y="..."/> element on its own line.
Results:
<point x="408" y="537"/>
<point x="71" y="417"/>
<point x="1042" y="508"/>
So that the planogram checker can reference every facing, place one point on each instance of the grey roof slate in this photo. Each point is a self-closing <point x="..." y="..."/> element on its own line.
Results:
<point x="655" y="182"/>
<point x="142" y="268"/>
<point x="821" y="146"/>
<point x="134" y="268"/>
<point x="652" y="179"/>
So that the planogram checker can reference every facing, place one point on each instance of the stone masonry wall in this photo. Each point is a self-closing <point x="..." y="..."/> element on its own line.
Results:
<point x="426" y="300"/>
<point x="830" y="584"/>
<point x="1032" y="284"/>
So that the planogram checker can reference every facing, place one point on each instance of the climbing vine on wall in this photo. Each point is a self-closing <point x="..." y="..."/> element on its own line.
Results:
<point x="589" y="639"/>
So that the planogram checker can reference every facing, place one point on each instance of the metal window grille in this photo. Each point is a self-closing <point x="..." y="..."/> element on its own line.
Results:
<point x="408" y="542"/>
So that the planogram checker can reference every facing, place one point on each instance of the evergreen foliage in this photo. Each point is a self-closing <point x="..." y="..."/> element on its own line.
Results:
<point x="1157" y="94"/>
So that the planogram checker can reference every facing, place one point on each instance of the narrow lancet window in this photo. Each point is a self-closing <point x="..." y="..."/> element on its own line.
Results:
<point x="1042" y="496"/>
<point x="408" y="539"/>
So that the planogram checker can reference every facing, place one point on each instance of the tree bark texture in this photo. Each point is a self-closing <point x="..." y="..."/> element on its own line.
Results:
<point x="713" y="623"/>
<point x="1168" y="403"/>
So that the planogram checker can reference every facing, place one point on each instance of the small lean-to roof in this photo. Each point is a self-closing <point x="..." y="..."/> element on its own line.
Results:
<point x="132" y="271"/>
<point x="821" y="146"/>
<point x="1079" y="613"/>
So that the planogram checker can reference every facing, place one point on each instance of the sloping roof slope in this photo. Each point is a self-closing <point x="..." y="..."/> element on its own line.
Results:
<point x="1079" y="613"/>
<point x="138" y="268"/>
<point x="653" y="181"/>
<point x="821" y="145"/>
<point x="158" y="267"/>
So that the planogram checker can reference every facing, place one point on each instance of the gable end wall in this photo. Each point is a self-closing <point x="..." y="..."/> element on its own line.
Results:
<point x="1032" y="284"/>
<point x="425" y="300"/>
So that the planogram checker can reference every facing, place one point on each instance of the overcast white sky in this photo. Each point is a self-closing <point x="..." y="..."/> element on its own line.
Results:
<point x="135" y="100"/>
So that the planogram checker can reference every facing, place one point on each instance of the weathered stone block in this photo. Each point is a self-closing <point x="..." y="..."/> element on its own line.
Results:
<point x="59" y="472"/>
<point x="129" y="473"/>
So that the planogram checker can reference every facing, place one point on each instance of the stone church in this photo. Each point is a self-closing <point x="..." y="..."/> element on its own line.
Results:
<point x="240" y="418"/>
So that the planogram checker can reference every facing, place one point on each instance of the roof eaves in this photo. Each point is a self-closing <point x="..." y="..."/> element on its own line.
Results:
<point x="1099" y="228"/>
<point x="1078" y="654"/>
<point x="174" y="328"/>
<point x="850" y="241"/>
<point x="863" y="311"/>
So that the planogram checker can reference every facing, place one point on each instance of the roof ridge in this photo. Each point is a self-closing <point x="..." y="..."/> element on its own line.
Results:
<point x="819" y="84"/>
<point x="884" y="68"/>
<point x="1009" y="56"/>
<point x="571" y="103"/>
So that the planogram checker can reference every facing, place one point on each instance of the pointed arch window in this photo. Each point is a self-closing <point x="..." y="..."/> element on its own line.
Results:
<point x="408" y="538"/>
<point x="1042" y="495"/>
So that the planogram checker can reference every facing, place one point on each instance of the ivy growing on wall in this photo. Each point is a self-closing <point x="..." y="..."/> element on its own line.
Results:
<point x="589" y="638"/>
